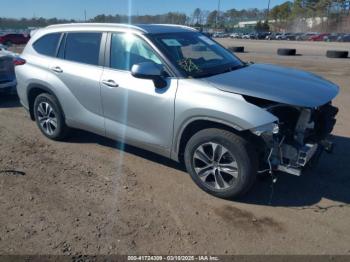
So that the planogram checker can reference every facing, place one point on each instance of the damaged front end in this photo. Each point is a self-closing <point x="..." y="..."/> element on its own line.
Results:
<point x="299" y="137"/>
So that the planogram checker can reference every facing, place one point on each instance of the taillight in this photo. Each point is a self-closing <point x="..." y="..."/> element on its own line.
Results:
<point x="17" y="61"/>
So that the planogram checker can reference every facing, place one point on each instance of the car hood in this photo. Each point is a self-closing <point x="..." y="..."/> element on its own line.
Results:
<point x="278" y="84"/>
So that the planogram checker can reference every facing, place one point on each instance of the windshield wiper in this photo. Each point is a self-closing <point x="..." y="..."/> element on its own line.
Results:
<point x="233" y="68"/>
<point x="218" y="72"/>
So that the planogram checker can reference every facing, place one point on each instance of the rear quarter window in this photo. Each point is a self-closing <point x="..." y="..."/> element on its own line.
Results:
<point x="47" y="45"/>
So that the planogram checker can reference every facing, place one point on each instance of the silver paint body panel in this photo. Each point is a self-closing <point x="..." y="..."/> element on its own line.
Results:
<point x="279" y="84"/>
<point x="137" y="113"/>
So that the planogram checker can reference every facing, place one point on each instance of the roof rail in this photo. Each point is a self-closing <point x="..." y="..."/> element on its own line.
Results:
<point x="173" y="25"/>
<point x="96" y="24"/>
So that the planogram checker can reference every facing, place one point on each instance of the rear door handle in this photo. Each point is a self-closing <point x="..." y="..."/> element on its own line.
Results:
<point x="110" y="83"/>
<point x="57" y="69"/>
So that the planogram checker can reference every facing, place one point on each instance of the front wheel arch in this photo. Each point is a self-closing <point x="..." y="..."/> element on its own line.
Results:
<point x="198" y="125"/>
<point x="243" y="155"/>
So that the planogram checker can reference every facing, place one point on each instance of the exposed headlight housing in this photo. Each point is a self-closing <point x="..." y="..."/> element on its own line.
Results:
<point x="272" y="128"/>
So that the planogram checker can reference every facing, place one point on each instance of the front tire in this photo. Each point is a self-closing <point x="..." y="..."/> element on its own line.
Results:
<point x="221" y="163"/>
<point x="49" y="117"/>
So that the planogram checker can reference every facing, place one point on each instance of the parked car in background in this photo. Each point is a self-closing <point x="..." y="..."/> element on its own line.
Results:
<point x="4" y="51"/>
<point x="318" y="37"/>
<point x="235" y="35"/>
<point x="305" y="36"/>
<point x="14" y="39"/>
<point x="7" y="73"/>
<point x="253" y="35"/>
<point x="289" y="37"/>
<point x="273" y="36"/>
<point x="246" y="36"/>
<point x="283" y="36"/>
<point x="294" y="36"/>
<point x="332" y="37"/>
<point x="8" y="60"/>
<point x="173" y="91"/>
<point x="220" y="35"/>
<point x="344" y="38"/>
<point x="262" y="35"/>
<point x="3" y="48"/>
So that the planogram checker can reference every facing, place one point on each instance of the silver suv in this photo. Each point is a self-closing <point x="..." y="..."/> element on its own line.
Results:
<point x="174" y="91"/>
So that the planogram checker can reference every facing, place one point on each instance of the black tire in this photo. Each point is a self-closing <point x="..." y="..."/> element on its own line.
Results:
<point x="286" y="52"/>
<point x="61" y="131"/>
<point x="337" y="54"/>
<point x="237" y="49"/>
<point x="239" y="148"/>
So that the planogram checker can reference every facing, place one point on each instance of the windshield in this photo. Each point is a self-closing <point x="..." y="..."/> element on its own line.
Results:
<point x="195" y="54"/>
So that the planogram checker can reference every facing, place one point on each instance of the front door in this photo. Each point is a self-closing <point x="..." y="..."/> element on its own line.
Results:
<point x="135" y="111"/>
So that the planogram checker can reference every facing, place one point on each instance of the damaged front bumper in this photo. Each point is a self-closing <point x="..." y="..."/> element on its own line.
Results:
<point x="293" y="160"/>
<point x="292" y="147"/>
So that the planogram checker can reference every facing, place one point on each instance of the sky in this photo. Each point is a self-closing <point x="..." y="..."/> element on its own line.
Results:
<point x="75" y="8"/>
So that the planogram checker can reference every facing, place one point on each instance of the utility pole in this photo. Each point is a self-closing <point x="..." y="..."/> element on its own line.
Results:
<point x="217" y="15"/>
<point x="268" y="11"/>
<point x="85" y="15"/>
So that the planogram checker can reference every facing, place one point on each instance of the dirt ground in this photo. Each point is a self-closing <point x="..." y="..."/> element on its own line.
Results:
<point x="88" y="196"/>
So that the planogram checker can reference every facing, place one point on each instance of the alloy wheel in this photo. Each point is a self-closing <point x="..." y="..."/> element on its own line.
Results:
<point x="215" y="165"/>
<point x="47" y="118"/>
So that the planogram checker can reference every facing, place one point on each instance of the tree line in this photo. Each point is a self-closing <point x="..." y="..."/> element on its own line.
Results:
<point x="333" y="14"/>
<point x="311" y="8"/>
<point x="283" y="15"/>
<point x="168" y="18"/>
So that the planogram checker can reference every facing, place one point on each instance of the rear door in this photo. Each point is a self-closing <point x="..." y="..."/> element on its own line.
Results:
<point x="78" y="67"/>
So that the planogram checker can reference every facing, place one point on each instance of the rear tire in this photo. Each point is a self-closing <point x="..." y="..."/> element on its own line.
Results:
<point x="49" y="117"/>
<point x="226" y="173"/>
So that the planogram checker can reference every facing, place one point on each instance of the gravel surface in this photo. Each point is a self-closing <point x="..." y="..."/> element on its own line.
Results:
<point x="87" y="196"/>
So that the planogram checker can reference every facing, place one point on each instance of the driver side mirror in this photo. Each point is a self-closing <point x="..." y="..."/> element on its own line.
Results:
<point x="150" y="70"/>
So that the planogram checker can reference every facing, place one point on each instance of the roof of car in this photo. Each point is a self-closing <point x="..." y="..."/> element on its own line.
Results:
<point x="143" y="28"/>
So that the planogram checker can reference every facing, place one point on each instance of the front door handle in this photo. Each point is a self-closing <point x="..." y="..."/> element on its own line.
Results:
<point x="57" y="69"/>
<point x="110" y="83"/>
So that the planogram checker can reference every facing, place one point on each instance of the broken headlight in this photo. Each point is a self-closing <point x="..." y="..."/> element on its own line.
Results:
<point x="271" y="128"/>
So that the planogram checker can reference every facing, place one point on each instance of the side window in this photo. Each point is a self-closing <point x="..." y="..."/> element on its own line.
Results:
<point x="83" y="47"/>
<point x="47" y="45"/>
<point x="128" y="50"/>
